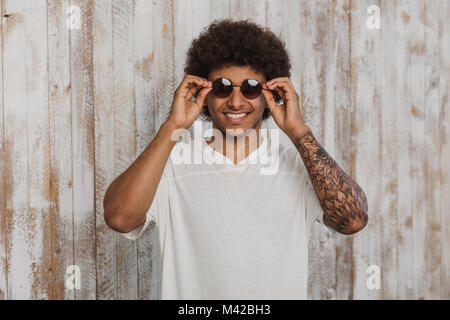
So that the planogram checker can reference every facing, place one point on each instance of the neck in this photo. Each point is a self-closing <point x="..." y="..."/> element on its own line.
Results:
<point x="236" y="147"/>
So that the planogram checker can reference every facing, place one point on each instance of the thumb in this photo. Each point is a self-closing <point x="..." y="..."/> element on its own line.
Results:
<point x="275" y="110"/>
<point x="202" y="96"/>
<point x="270" y="101"/>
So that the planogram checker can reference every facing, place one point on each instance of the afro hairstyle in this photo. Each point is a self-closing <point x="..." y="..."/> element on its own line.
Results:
<point x="227" y="43"/>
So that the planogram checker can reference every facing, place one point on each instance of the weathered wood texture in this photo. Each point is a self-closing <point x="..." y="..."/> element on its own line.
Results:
<point x="80" y="102"/>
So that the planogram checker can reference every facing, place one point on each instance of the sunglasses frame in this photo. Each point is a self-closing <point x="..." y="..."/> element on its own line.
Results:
<point x="235" y="85"/>
<point x="277" y="98"/>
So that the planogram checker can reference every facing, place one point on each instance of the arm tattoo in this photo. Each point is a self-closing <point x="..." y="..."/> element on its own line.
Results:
<point x="343" y="201"/>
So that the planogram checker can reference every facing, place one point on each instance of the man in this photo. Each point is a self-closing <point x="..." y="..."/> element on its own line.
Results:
<point x="226" y="230"/>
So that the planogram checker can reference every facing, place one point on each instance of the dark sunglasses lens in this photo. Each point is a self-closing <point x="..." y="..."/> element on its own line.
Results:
<point x="251" y="88"/>
<point x="222" y="87"/>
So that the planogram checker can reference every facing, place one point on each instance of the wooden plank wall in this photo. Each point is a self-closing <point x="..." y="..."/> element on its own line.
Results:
<point x="78" y="105"/>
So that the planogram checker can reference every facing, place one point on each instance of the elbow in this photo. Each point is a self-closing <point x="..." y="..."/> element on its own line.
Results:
<point x="117" y="222"/>
<point x="356" y="225"/>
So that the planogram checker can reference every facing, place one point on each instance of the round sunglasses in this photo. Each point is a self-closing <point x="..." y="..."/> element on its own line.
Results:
<point x="250" y="88"/>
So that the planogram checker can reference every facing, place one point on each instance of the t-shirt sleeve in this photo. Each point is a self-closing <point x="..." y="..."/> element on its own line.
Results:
<point x="160" y="205"/>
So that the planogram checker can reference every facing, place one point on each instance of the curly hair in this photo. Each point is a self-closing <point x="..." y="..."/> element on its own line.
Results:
<point x="237" y="43"/>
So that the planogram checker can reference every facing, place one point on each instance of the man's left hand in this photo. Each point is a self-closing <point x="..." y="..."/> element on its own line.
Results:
<point x="287" y="115"/>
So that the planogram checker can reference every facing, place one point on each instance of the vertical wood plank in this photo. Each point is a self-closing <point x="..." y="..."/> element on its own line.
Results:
<point x="83" y="151"/>
<point x="124" y="131"/>
<point x="148" y="258"/>
<point x="444" y="152"/>
<point x="366" y="140"/>
<point x="78" y="106"/>
<point x="338" y="126"/>
<point x="3" y="213"/>
<point x="104" y="146"/>
<point x="248" y="9"/>
<point x="410" y="111"/>
<point x="432" y="244"/>
<point x="164" y="58"/>
<point x="404" y="223"/>
<point x="389" y="135"/>
<point x="219" y="9"/>
<point x="60" y="117"/>
<point x="26" y="137"/>
<point x="417" y="148"/>
<point x="323" y="87"/>
<point x="312" y="32"/>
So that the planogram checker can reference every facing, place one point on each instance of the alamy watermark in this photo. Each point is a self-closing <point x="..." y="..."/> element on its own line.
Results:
<point x="374" y="278"/>
<point x="373" y="20"/>
<point x="266" y="155"/>
<point x="74" y="18"/>
<point x="73" y="277"/>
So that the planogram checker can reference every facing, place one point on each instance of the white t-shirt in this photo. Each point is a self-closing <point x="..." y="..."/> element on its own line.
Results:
<point x="231" y="231"/>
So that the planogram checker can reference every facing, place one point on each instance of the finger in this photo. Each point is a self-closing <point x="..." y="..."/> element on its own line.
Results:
<point x="202" y="96"/>
<point x="191" y="82"/>
<point x="270" y="100"/>
<point x="285" y="81"/>
<point x="287" y="92"/>
<point x="278" y="95"/>
<point x="282" y="79"/>
<point x="275" y="110"/>
<point x="192" y="91"/>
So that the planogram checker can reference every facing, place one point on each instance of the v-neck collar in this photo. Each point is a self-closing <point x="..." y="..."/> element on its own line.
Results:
<point x="253" y="158"/>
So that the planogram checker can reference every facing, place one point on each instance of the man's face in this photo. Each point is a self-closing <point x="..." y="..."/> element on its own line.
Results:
<point x="236" y="102"/>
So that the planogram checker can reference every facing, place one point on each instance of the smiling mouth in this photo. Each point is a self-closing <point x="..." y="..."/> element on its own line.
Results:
<point x="236" y="117"/>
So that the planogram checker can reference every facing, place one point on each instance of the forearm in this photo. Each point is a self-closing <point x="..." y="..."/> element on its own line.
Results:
<point x="130" y="195"/>
<point x="343" y="201"/>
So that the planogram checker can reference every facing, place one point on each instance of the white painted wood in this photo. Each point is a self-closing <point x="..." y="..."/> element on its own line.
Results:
<point x="124" y="131"/>
<point x="410" y="68"/>
<point x="145" y="96"/>
<point x="3" y="213"/>
<point x="338" y="124"/>
<point x="389" y="135"/>
<point x="78" y="106"/>
<point x="365" y="149"/>
<point x="26" y="133"/>
<point x="83" y="151"/>
<point x="444" y="127"/>
<point x="323" y="58"/>
<point x="106" y="255"/>
<point x="432" y="228"/>
<point x="60" y="148"/>
<point x="165" y="84"/>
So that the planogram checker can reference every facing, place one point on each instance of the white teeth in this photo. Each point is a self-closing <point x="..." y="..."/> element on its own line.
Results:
<point x="236" y="116"/>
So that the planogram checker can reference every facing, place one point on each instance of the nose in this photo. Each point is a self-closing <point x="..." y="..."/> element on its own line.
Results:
<point x="236" y="98"/>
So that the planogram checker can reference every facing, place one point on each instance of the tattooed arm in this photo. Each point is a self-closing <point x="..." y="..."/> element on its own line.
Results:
<point x="343" y="202"/>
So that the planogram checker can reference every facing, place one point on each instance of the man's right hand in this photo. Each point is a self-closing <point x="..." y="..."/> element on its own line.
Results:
<point x="184" y="112"/>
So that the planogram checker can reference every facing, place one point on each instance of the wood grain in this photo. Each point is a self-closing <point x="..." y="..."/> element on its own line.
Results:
<point x="389" y="135"/>
<point x="106" y="255"/>
<point x="444" y="150"/>
<point x="79" y="105"/>
<point x="365" y="142"/>
<point x="3" y="213"/>
<point x="145" y="17"/>
<point x="432" y="227"/>
<point x="60" y="148"/>
<point x="124" y="131"/>
<point x="26" y="158"/>
<point x="83" y="155"/>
